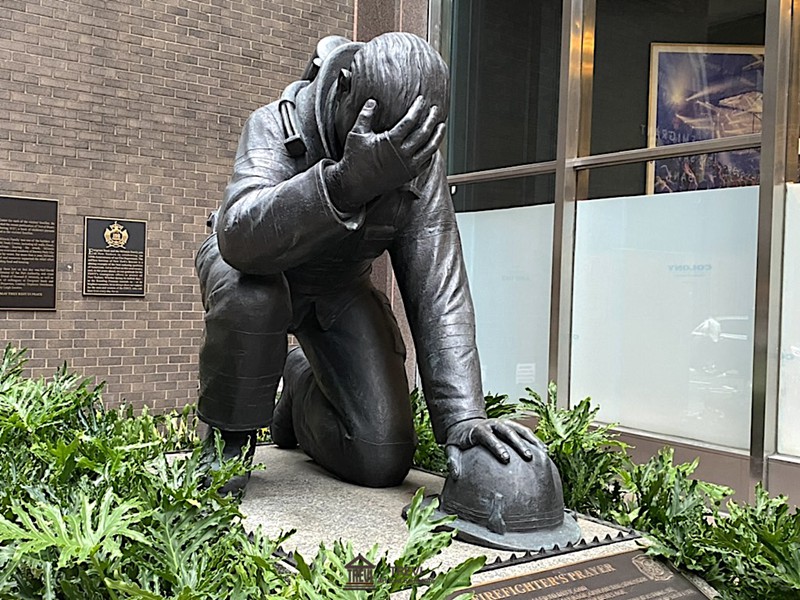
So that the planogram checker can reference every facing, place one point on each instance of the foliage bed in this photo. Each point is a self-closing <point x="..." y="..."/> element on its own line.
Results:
<point x="746" y="552"/>
<point x="91" y="509"/>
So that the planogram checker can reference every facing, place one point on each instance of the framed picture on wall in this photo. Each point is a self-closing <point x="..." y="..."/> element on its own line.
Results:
<point x="702" y="92"/>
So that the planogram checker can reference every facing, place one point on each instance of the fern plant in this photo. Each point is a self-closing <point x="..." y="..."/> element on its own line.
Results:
<point x="589" y="457"/>
<point x="91" y="509"/>
<point x="327" y="575"/>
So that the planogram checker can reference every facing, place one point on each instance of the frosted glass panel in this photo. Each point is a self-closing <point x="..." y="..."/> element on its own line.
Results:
<point x="508" y="254"/>
<point x="789" y="409"/>
<point x="663" y="312"/>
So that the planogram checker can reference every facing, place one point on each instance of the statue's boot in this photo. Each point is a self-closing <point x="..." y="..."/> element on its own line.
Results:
<point x="282" y="427"/>
<point x="235" y="445"/>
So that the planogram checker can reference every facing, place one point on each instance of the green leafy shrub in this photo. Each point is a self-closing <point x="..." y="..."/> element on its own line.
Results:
<point x="92" y="509"/>
<point x="746" y="552"/>
<point x="589" y="457"/>
<point x="327" y="575"/>
<point x="429" y="455"/>
<point x="672" y="508"/>
<point x="757" y="548"/>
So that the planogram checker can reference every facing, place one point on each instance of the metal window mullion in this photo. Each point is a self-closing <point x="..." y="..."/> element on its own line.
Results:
<point x="560" y="343"/>
<point x="611" y="159"/>
<point x="793" y="118"/>
<point x="639" y="155"/>
<point x="500" y="174"/>
<point x="440" y="26"/>
<point x="588" y="41"/>
<point x="769" y="252"/>
<point x="435" y="23"/>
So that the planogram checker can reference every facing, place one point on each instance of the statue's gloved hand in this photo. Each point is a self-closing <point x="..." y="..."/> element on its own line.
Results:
<point x="374" y="163"/>
<point x="497" y="435"/>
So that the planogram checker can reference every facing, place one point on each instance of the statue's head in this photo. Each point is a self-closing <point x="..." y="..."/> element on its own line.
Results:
<point x="393" y="69"/>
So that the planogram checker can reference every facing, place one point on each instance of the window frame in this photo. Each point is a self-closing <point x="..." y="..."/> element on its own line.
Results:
<point x="779" y="159"/>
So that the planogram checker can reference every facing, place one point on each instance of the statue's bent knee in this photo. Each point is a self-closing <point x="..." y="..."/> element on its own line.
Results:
<point x="381" y="465"/>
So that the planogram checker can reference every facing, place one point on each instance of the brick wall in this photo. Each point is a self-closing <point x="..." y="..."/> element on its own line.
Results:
<point x="132" y="110"/>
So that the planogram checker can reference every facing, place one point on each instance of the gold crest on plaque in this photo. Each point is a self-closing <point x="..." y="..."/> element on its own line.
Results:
<point x="116" y="235"/>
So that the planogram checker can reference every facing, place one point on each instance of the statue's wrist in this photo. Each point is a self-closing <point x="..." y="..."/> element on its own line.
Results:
<point x="453" y="427"/>
<point x="333" y="181"/>
<point x="338" y="192"/>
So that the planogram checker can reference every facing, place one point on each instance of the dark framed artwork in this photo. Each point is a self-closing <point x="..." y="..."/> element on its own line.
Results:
<point x="703" y="92"/>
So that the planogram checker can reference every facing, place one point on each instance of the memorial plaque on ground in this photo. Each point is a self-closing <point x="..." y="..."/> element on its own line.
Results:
<point x="114" y="257"/>
<point x="628" y="576"/>
<point x="28" y="236"/>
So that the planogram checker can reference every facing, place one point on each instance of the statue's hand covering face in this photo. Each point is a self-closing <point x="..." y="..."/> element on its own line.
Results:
<point x="393" y="69"/>
<point x="390" y="115"/>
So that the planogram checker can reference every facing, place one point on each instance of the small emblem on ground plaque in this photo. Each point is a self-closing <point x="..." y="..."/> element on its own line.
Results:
<point x="632" y="575"/>
<point x="114" y="257"/>
<point x="360" y="574"/>
<point x="651" y="568"/>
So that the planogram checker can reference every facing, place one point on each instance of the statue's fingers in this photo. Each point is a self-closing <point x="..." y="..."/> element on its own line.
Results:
<point x="409" y="122"/>
<point x="422" y="134"/>
<point x="363" y="123"/>
<point x="488" y="440"/>
<point x="526" y="434"/>
<point x="513" y="439"/>
<point x="422" y="157"/>
<point x="453" y="461"/>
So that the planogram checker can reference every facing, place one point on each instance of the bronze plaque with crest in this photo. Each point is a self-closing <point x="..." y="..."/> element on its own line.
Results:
<point x="114" y="253"/>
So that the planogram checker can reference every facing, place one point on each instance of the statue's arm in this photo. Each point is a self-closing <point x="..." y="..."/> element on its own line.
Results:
<point x="430" y="272"/>
<point x="273" y="217"/>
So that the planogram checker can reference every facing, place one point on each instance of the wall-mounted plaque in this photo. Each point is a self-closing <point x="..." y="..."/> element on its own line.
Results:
<point x="114" y="257"/>
<point x="28" y="237"/>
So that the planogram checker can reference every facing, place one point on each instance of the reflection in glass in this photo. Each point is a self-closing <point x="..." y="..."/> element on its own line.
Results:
<point x="663" y="312"/>
<point x="704" y="92"/>
<point x="625" y="33"/>
<point x="617" y="181"/>
<point x="688" y="173"/>
<point x="504" y="66"/>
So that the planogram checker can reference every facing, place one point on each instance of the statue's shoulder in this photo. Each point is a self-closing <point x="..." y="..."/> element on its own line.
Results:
<point x="267" y="111"/>
<point x="264" y="118"/>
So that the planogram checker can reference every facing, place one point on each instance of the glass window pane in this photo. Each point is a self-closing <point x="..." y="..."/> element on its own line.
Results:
<point x="508" y="254"/>
<point x="789" y="408"/>
<point x="504" y="65"/>
<point x="707" y="85"/>
<point x="663" y="312"/>
<point x="613" y="182"/>
<point x="669" y="176"/>
<point x="491" y="195"/>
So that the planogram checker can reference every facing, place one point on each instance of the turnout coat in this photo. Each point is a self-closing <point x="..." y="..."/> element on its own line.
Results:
<point x="277" y="218"/>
